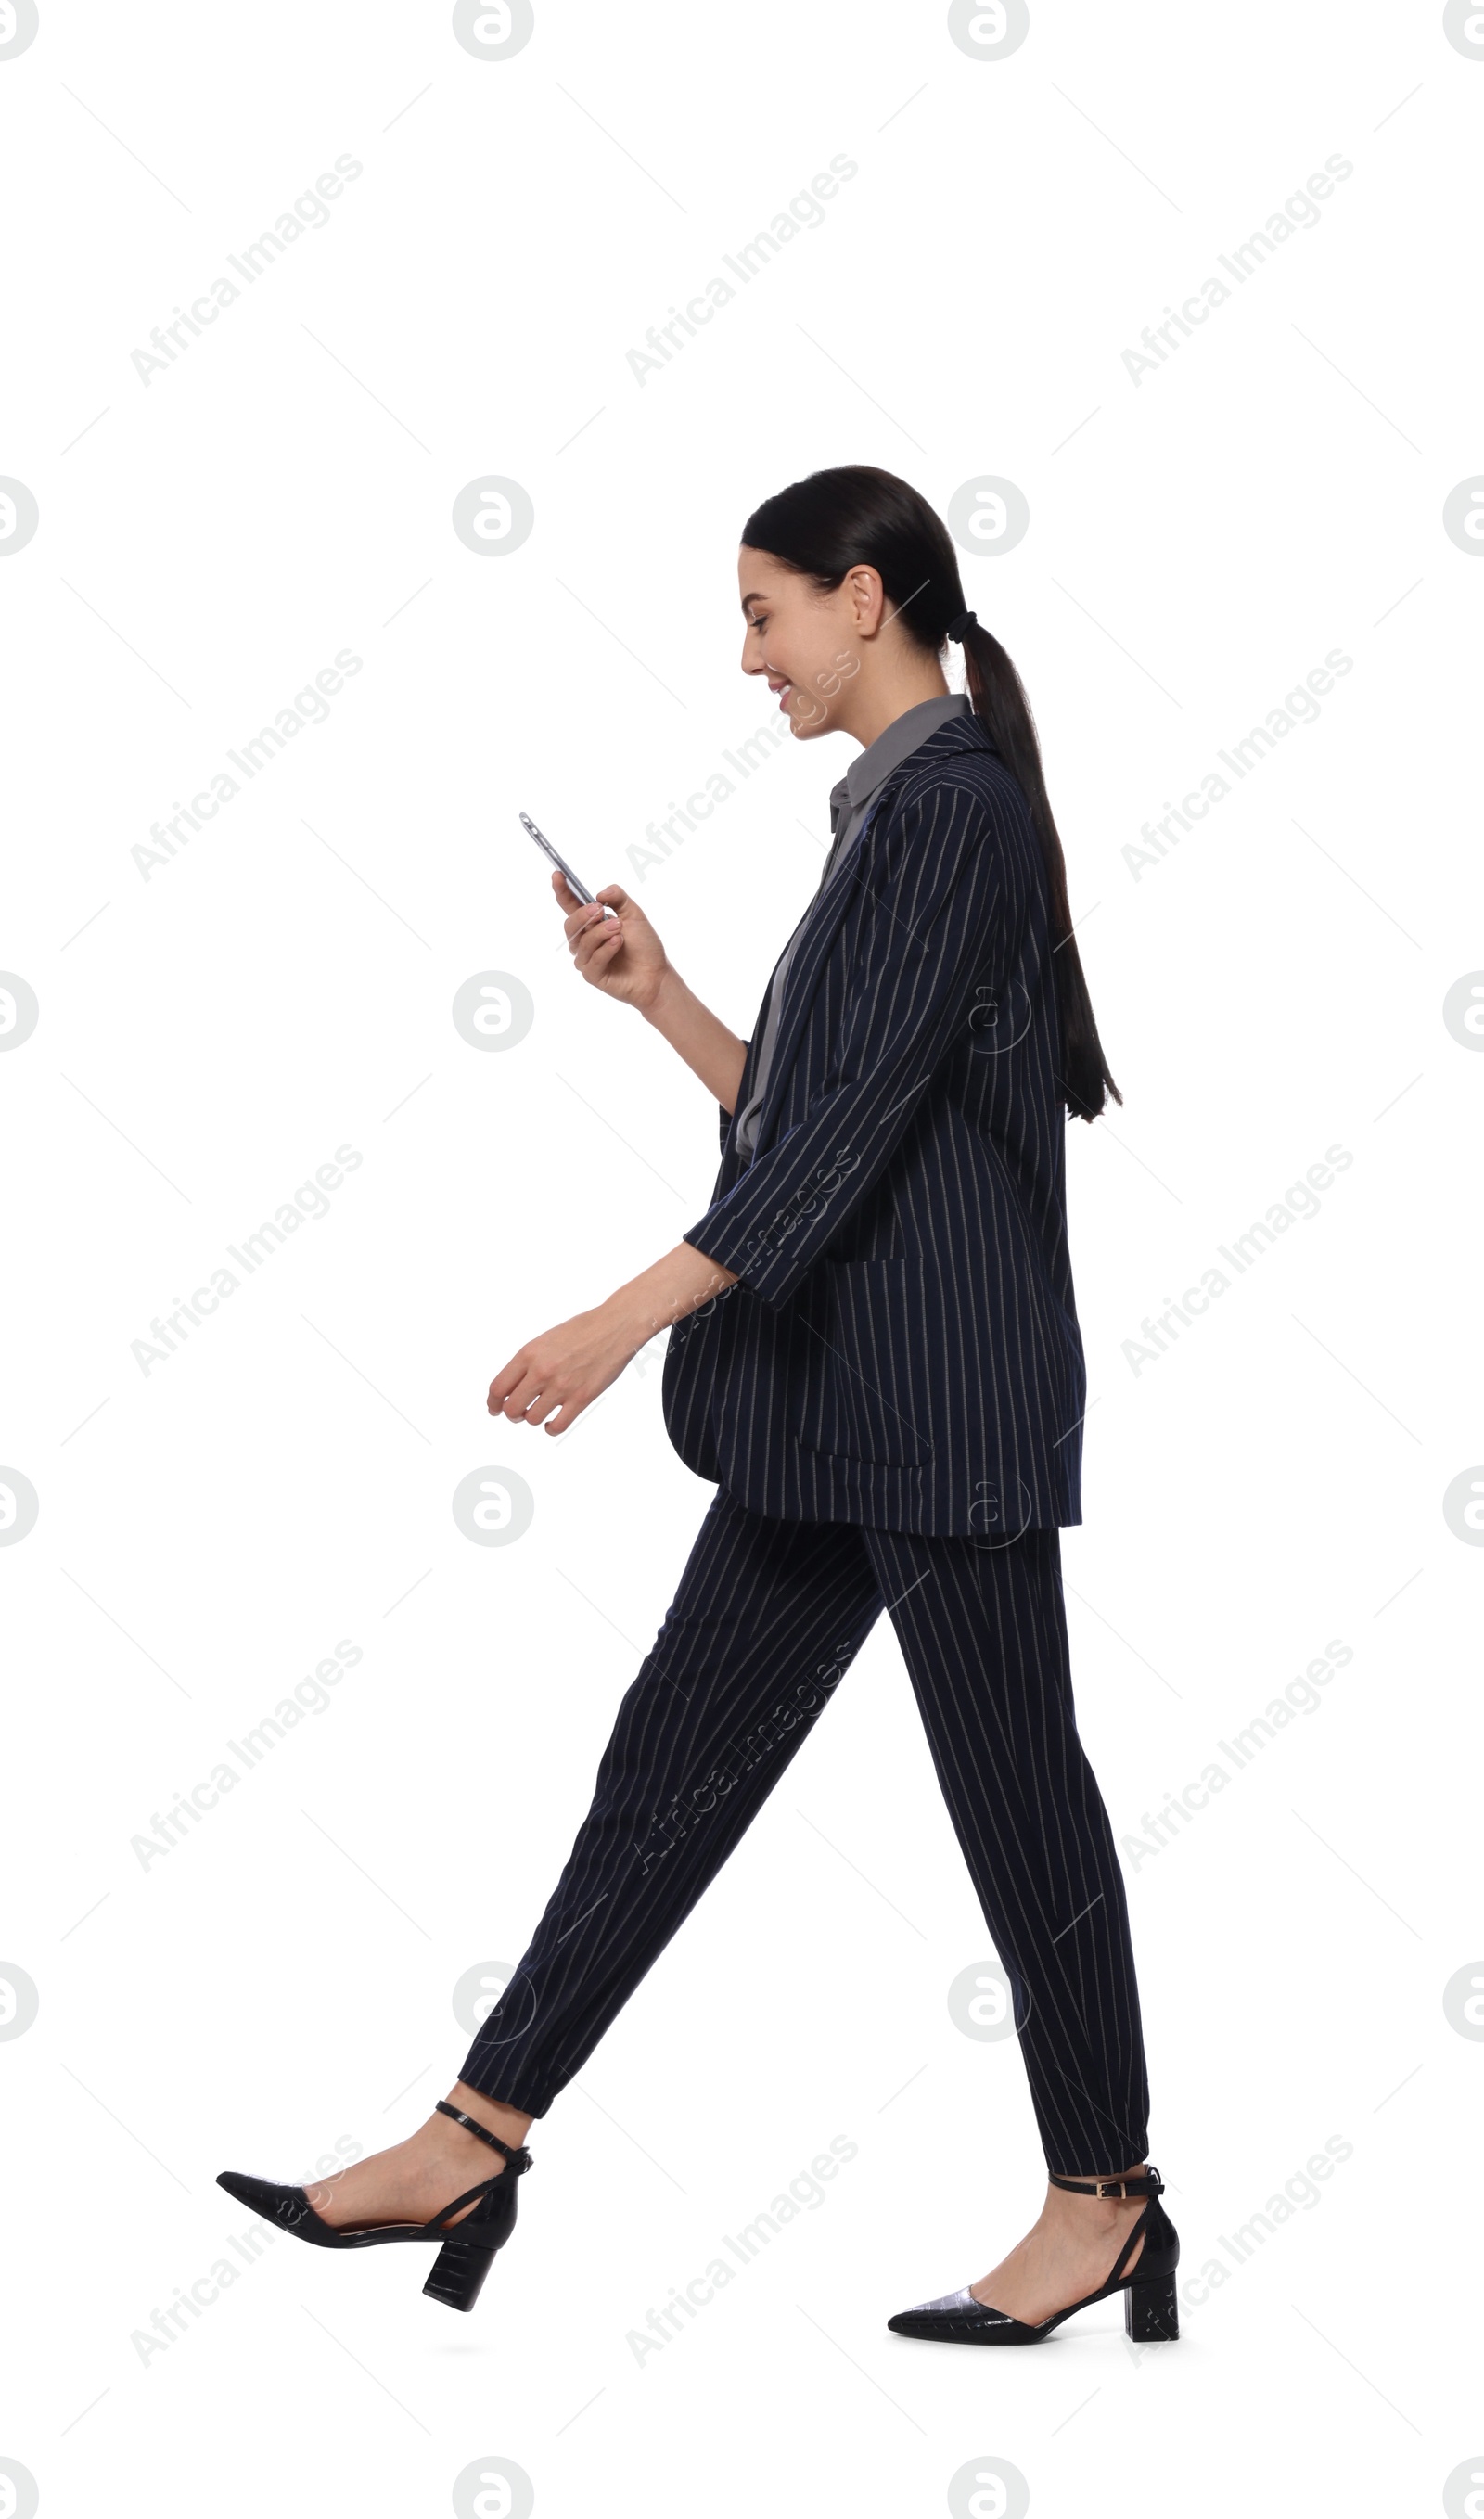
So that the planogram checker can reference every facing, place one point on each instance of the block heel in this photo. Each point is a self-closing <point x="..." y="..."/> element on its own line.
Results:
<point x="467" y="2249"/>
<point x="1150" y="2311"/>
<point x="459" y="2271"/>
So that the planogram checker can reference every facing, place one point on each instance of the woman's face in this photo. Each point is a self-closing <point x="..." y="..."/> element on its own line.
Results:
<point x="808" y="644"/>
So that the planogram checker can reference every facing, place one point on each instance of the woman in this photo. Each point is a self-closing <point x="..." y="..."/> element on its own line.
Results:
<point x="874" y="1351"/>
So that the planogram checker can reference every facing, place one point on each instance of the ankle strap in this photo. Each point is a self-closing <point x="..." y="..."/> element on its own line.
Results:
<point x="1147" y="2184"/>
<point x="518" y="2160"/>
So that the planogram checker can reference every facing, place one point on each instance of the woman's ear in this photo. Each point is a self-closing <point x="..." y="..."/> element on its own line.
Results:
<point x="867" y="600"/>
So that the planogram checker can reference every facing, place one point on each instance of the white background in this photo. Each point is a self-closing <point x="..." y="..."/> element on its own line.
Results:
<point x="207" y="1036"/>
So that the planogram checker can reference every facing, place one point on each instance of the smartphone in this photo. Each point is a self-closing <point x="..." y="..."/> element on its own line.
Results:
<point x="577" y="886"/>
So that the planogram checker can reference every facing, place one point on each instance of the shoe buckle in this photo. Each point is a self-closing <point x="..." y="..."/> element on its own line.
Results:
<point x="1149" y="2177"/>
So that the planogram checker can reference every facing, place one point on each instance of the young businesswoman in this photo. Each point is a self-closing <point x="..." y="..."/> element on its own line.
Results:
<point x="874" y="1353"/>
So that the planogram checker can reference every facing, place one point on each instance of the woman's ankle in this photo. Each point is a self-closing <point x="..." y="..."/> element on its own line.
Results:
<point x="511" y="2124"/>
<point x="1089" y="2178"/>
<point x="1086" y="2211"/>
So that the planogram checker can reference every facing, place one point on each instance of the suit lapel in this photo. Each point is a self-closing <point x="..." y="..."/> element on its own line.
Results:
<point x="958" y="735"/>
<point x="809" y="963"/>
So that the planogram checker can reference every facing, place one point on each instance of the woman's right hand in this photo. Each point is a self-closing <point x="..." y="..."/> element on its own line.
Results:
<point x="623" y="955"/>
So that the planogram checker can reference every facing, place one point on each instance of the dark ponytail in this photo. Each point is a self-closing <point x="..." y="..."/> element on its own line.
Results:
<point x="833" y="521"/>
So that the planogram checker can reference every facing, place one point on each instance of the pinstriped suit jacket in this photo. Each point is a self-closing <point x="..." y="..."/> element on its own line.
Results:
<point x="903" y="1347"/>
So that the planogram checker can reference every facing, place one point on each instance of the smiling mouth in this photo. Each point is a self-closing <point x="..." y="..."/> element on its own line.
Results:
<point x="784" y="691"/>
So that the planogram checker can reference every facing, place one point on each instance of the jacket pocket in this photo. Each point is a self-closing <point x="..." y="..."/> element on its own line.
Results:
<point x="866" y="1392"/>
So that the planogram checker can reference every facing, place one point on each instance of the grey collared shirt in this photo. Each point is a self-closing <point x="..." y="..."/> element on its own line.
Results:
<point x="850" y="801"/>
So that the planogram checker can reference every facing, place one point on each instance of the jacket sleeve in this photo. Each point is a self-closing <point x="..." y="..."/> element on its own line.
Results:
<point x="934" y="909"/>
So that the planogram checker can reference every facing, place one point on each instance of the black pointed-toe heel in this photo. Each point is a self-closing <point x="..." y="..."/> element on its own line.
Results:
<point x="468" y="2248"/>
<point x="1150" y="2311"/>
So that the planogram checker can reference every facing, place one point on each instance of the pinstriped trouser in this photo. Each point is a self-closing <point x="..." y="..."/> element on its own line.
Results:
<point x="767" y="1618"/>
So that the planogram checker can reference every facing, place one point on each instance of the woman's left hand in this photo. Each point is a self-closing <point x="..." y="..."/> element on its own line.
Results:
<point x="568" y="1367"/>
<point x="565" y="1369"/>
